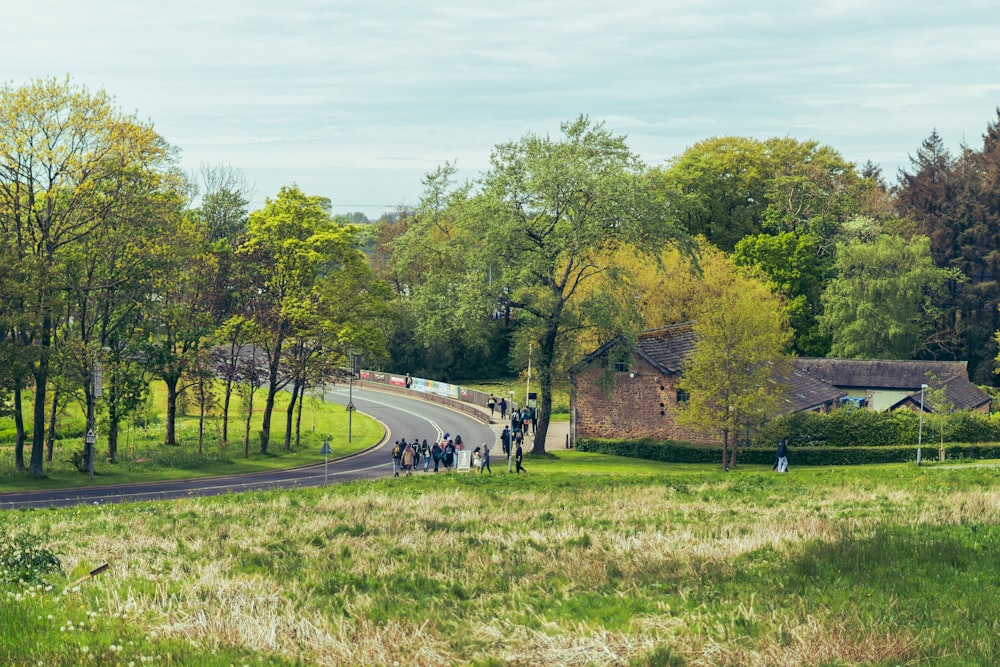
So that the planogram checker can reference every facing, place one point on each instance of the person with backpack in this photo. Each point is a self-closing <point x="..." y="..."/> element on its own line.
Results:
<point x="491" y="403"/>
<point x="505" y="441"/>
<point x="448" y="456"/>
<point x="436" y="455"/>
<point x="425" y="454"/>
<point x="408" y="458"/>
<point x="397" y="455"/>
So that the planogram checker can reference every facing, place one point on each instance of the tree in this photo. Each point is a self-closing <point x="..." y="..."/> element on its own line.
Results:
<point x="549" y="213"/>
<point x="65" y="156"/>
<point x="881" y="304"/>
<point x="734" y="374"/>
<point x="307" y="266"/>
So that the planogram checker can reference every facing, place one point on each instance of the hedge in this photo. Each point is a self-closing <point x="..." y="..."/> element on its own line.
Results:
<point x="864" y="428"/>
<point x="686" y="452"/>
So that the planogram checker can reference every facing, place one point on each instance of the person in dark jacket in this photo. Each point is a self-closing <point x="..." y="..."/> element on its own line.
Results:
<point x="782" y="463"/>
<point x="517" y="458"/>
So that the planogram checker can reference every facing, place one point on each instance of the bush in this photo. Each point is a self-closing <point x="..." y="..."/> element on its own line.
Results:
<point x="23" y="558"/>
<point x="864" y="428"/>
<point x="685" y="452"/>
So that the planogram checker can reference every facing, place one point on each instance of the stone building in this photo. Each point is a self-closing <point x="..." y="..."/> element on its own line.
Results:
<point x="630" y="391"/>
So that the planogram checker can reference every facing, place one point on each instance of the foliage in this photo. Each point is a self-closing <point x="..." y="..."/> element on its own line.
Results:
<point x="734" y="374"/>
<point x="25" y="559"/>
<point x="866" y="428"/>
<point x="882" y="302"/>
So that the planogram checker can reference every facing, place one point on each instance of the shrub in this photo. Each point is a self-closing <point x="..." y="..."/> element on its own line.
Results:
<point x="685" y="452"/>
<point x="23" y="558"/>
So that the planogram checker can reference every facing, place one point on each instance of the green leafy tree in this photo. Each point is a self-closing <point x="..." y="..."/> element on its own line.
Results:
<point x="67" y="161"/>
<point x="734" y="374"/>
<point x="303" y="260"/>
<point x="550" y="214"/>
<point x="881" y="305"/>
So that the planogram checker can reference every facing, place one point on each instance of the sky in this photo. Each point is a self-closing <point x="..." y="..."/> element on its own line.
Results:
<point x="358" y="100"/>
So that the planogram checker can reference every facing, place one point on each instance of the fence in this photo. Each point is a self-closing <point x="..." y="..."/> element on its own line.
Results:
<point x="470" y="401"/>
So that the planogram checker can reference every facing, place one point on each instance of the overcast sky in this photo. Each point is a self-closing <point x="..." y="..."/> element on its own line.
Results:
<point x="357" y="100"/>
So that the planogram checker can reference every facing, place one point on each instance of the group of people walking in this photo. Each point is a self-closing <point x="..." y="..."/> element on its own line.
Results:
<point x="409" y="456"/>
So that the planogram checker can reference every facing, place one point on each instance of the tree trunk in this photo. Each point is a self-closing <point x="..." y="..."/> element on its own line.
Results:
<point x="201" y="413"/>
<point x="298" y="416"/>
<point x="274" y="364"/>
<point x="546" y="353"/>
<point x="725" y="449"/>
<point x="246" y="427"/>
<point x="290" y="416"/>
<point x="113" y="440"/>
<point x="41" y="373"/>
<point x="170" y="437"/>
<point x="225" y="411"/>
<point x="50" y="441"/>
<point x="21" y="436"/>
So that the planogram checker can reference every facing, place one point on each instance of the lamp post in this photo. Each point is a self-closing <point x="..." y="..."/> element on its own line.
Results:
<point x="510" y="449"/>
<point x="920" y="429"/>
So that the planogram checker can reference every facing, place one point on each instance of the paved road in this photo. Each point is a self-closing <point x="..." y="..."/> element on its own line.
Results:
<point x="403" y="417"/>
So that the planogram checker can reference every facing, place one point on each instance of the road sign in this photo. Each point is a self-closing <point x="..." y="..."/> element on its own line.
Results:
<point x="326" y="448"/>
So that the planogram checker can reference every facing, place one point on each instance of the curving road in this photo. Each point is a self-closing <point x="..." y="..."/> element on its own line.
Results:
<point x="403" y="417"/>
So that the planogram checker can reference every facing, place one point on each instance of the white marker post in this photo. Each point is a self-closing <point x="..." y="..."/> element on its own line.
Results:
<point x="326" y="465"/>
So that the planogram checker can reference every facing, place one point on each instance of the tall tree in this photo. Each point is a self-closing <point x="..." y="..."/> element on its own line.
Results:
<point x="301" y="253"/>
<point x="734" y="374"/>
<point x="881" y="304"/>
<point x="549" y="213"/>
<point x="63" y="151"/>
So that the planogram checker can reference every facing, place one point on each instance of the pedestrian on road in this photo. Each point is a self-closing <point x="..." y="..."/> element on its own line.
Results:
<point x="503" y="408"/>
<point x="408" y="458"/>
<point x="425" y="454"/>
<point x="491" y="403"/>
<point x="486" y="460"/>
<point x="397" y="455"/>
<point x="517" y="458"/>
<point x="436" y="455"/>
<point x="505" y="441"/>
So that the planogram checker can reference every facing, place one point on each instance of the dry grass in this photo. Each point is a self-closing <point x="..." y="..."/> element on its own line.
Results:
<point x="438" y="573"/>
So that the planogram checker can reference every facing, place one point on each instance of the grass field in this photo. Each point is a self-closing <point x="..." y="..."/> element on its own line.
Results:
<point x="143" y="457"/>
<point x="586" y="560"/>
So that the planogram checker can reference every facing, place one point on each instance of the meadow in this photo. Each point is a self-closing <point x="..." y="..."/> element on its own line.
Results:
<point x="585" y="560"/>
<point x="143" y="457"/>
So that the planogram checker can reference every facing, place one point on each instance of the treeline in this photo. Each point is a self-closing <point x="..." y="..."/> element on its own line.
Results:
<point x="108" y="264"/>
<point x="111" y="276"/>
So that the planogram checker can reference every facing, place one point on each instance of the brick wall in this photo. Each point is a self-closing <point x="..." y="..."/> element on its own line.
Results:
<point x="638" y="407"/>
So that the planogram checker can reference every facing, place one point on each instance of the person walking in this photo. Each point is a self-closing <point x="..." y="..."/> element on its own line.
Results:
<point x="491" y="403"/>
<point x="408" y="458"/>
<point x="397" y="455"/>
<point x="486" y="460"/>
<point x="425" y="454"/>
<point x="503" y="408"/>
<point x="436" y="455"/>
<point x="782" y="464"/>
<point x="517" y="458"/>
<point x="505" y="440"/>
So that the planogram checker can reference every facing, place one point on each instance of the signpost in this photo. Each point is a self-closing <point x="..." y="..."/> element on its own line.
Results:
<point x="91" y="438"/>
<point x="325" y="451"/>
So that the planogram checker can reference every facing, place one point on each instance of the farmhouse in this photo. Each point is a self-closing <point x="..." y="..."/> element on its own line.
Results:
<point x="630" y="391"/>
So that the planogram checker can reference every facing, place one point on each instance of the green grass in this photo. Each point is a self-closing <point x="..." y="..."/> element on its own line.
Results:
<point x="142" y="456"/>
<point x="586" y="559"/>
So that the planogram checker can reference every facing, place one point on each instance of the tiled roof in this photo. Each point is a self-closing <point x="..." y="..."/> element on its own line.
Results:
<point x="879" y="373"/>
<point x="667" y="347"/>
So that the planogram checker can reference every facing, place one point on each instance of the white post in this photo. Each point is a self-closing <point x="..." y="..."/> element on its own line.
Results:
<point x="920" y="429"/>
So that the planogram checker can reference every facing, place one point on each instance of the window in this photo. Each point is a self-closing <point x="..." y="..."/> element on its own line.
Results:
<point x="682" y="396"/>
<point x="621" y="367"/>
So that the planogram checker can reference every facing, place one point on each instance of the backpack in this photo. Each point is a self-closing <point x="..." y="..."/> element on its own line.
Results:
<point x="396" y="452"/>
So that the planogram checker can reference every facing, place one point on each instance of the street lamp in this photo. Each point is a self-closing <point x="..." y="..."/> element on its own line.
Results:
<point x="510" y="449"/>
<point x="920" y="429"/>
